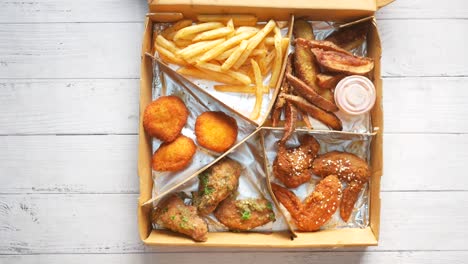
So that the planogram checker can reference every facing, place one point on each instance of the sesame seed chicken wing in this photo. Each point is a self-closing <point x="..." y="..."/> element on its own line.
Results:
<point x="350" y="169"/>
<point x="292" y="166"/>
<point x="317" y="208"/>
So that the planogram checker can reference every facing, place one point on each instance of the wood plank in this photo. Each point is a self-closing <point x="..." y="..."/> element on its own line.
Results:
<point x="68" y="164"/>
<point x="107" y="164"/>
<point x="413" y="48"/>
<point x="422" y="257"/>
<point x="69" y="106"/>
<point x="99" y="223"/>
<point x="425" y="105"/>
<point x="100" y="106"/>
<point x="20" y="11"/>
<point x="107" y="50"/>
<point x="424" y="9"/>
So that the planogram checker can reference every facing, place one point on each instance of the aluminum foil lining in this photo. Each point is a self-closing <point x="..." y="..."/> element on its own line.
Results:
<point x="357" y="144"/>
<point x="241" y="103"/>
<point x="252" y="184"/>
<point x="167" y="83"/>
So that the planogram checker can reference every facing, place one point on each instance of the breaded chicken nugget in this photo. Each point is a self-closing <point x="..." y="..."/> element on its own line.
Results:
<point x="165" y="117"/>
<point x="175" y="155"/>
<point x="216" y="131"/>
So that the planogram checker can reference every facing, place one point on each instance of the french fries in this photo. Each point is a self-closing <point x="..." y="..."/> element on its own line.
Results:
<point x="167" y="44"/>
<point x="208" y="75"/>
<point x="246" y="89"/>
<point x="213" y="34"/>
<point x="259" y="92"/>
<point x="190" y="30"/>
<point x="169" y="32"/>
<point x="239" y="20"/>
<point x="278" y="59"/>
<point x="199" y="47"/>
<point x="253" y="42"/>
<point x="232" y="50"/>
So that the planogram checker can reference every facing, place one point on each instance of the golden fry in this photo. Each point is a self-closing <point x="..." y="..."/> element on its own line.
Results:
<point x="244" y="79"/>
<point x="169" y="57"/>
<point x="213" y="34"/>
<point x="190" y="30"/>
<point x="208" y="75"/>
<point x="168" y="32"/>
<point x="278" y="59"/>
<point x="234" y="56"/>
<point x="253" y="43"/>
<point x="167" y="44"/>
<point x="246" y="89"/>
<point x="198" y="48"/>
<point x="182" y="43"/>
<point x="266" y="63"/>
<point x="259" y="93"/>
<point x="216" y="51"/>
<point x="239" y="20"/>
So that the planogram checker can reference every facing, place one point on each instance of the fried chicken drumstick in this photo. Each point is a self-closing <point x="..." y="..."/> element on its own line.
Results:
<point x="316" y="209"/>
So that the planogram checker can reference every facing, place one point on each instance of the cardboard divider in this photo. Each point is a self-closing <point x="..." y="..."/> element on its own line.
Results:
<point x="317" y="10"/>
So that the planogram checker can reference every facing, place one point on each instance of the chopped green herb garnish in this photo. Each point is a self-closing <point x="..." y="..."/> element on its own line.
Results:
<point x="165" y="210"/>
<point x="272" y="217"/>
<point x="172" y="217"/>
<point x="208" y="190"/>
<point x="245" y="215"/>
<point x="184" y="219"/>
<point x="269" y="206"/>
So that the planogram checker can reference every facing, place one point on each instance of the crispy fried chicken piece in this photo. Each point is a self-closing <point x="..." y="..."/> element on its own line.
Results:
<point x="350" y="169"/>
<point x="320" y="44"/>
<point x="316" y="209"/>
<point x="350" y="37"/>
<point x="216" y="184"/>
<point x="342" y="63"/>
<point x="304" y="62"/>
<point x="291" y="118"/>
<point x="293" y="166"/>
<point x="329" y="119"/>
<point x="329" y="81"/>
<point x="173" y="214"/>
<point x="310" y="95"/>
<point x="243" y="215"/>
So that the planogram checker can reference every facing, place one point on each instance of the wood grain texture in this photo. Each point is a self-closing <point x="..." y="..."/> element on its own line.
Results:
<point x="96" y="223"/>
<point x="424" y="47"/>
<point x="68" y="164"/>
<point x="20" y="11"/>
<point x="425" y="105"/>
<point x="111" y="50"/>
<point x="70" y="107"/>
<point x="110" y="106"/>
<point x="248" y="258"/>
<point x="424" y="9"/>
<point x="104" y="50"/>
<point x="107" y="164"/>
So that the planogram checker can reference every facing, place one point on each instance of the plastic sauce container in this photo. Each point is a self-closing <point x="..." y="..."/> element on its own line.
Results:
<point x="355" y="95"/>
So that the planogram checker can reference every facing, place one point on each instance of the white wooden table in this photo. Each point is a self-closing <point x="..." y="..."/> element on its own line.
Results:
<point x="69" y="90"/>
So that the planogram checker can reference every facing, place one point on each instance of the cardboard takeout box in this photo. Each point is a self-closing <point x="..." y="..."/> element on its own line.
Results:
<point x="331" y="10"/>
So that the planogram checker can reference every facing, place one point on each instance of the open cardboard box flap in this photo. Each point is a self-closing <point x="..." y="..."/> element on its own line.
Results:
<point x="266" y="9"/>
